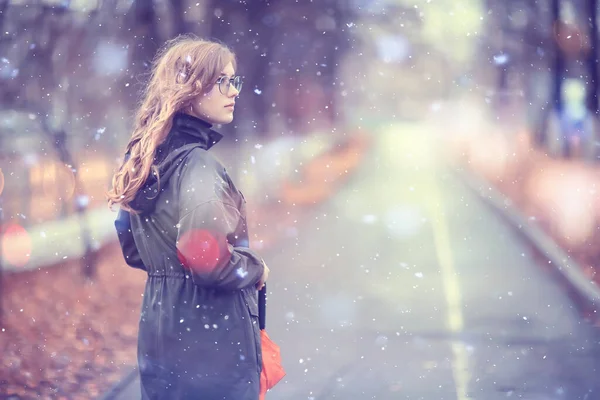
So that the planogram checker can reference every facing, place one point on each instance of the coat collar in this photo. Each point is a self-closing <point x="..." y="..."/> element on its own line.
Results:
<point x="196" y="130"/>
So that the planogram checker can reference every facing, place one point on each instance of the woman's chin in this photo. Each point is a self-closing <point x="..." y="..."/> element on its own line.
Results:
<point x="226" y="120"/>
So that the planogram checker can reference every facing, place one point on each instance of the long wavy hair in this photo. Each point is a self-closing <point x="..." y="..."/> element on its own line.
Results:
<point x="183" y="69"/>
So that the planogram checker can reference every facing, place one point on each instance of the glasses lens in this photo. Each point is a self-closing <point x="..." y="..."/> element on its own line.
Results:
<point x="237" y="83"/>
<point x="223" y="85"/>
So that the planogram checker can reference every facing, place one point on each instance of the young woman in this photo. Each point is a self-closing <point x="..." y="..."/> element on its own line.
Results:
<point x="183" y="221"/>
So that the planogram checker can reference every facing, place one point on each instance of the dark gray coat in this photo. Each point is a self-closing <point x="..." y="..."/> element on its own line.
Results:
<point x="198" y="334"/>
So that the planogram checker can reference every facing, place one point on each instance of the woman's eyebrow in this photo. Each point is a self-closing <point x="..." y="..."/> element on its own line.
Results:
<point x="222" y="74"/>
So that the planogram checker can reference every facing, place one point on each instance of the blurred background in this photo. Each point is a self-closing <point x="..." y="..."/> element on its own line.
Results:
<point x="421" y="177"/>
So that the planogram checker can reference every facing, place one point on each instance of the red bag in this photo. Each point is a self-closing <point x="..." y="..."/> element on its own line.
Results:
<point x="272" y="369"/>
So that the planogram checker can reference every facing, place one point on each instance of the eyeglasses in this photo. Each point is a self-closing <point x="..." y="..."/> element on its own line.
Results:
<point x="225" y="84"/>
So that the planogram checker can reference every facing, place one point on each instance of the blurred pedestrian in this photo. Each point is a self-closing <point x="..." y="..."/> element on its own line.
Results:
<point x="183" y="220"/>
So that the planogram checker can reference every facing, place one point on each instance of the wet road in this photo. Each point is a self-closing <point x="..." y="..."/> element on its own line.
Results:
<point x="406" y="286"/>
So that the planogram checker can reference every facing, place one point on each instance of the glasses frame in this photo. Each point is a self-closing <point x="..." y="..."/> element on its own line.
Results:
<point x="236" y="81"/>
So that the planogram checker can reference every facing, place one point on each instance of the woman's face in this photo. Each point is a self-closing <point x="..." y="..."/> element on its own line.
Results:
<point x="215" y="107"/>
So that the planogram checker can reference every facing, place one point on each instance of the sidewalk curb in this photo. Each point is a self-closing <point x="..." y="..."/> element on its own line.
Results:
<point x="569" y="271"/>
<point x="55" y="242"/>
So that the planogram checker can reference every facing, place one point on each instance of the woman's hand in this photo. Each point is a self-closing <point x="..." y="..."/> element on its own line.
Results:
<point x="264" y="277"/>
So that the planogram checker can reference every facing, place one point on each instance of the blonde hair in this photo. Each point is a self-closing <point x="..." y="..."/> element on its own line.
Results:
<point x="183" y="69"/>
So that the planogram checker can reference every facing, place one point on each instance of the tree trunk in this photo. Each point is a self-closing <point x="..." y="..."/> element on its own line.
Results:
<point x="177" y="12"/>
<point x="146" y="32"/>
<point x="593" y="58"/>
<point x="559" y="62"/>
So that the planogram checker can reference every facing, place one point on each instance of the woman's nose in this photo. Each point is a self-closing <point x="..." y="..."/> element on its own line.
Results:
<point x="233" y="92"/>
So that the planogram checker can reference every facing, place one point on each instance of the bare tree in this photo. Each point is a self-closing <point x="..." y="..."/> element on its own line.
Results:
<point x="47" y="61"/>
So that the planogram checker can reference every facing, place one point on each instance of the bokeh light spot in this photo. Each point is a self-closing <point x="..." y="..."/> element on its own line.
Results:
<point x="58" y="181"/>
<point x="16" y="245"/>
<point x="199" y="250"/>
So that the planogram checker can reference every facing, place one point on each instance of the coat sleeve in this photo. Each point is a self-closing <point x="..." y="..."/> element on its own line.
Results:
<point x="209" y="220"/>
<point x="126" y="240"/>
<point x="129" y="249"/>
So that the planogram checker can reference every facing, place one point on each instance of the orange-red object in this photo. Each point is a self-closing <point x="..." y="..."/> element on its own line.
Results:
<point x="272" y="369"/>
